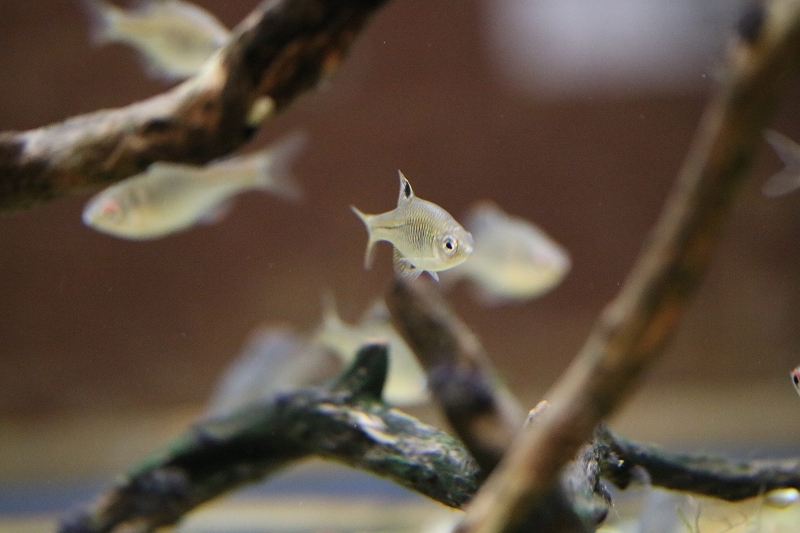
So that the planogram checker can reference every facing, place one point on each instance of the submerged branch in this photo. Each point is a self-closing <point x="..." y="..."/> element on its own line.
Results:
<point x="481" y="409"/>
<point x="284" y="48"/>
<point x="709" y="476"/>
<point x="345" y="422"/>
<point x="633" y="330"/>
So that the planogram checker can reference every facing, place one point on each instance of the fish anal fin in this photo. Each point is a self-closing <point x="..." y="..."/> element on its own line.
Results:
<point x="403" y="267"/>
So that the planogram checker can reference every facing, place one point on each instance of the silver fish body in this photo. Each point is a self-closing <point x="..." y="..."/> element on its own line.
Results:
<point x="406" y="383"/>
<point x="514" y="259"/>
<point x="170" y="197"/>
<point x="175" y="38"/>
<point x="788" y="179"/>
<point x="425" y="236"/>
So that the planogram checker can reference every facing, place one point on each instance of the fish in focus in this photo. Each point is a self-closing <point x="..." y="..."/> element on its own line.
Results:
<point x="788" y="179"/>
<point x="274" y="360"/>
<point x="175" y="38"/>
<point x="796" y="379"/>
<point x="426" y="238"/>
<point x="514" y="260"/>
<point x="405" y="381"/>
<point x="171" y="197"/>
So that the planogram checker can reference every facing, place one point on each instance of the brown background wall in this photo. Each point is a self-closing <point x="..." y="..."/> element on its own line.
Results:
<point x="89" y="322"/>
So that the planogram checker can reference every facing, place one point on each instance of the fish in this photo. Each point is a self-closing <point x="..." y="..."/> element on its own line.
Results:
<point x="174" y="38"/>
<point x="795" y="374"/>
<point x="788" y="179"/>
<point x="426" y="238"/>
<point x="406" y="382"/>
<point x="171" y="197"/>
<point x="514" y="260"/>
<point x="274" y="360"/>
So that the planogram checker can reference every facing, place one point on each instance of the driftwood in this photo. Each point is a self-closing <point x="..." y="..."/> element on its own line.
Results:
<point x="282" y="49"/>
<point x="632" y="331"/>
<point x="345" y="422"/>
<point x="544" y="476"/>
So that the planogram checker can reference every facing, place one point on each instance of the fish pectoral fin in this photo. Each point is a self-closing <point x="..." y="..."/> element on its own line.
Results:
<point x="216" y="213"/>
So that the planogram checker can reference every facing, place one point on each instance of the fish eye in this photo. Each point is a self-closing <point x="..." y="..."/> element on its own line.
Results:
<point x="796" y="379"/>
<point x="450" y="245"/>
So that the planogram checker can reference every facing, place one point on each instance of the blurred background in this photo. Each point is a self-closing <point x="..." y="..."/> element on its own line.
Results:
<point x="573" y="114"/>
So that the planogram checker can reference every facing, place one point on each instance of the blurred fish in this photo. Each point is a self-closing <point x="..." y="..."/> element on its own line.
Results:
<point x="175" y="38"/>
<point x="274" y="360"/>
<point x="425" y="236"/>
<point x="170" y="197"/>
<point x="513" y="259"/>
<point x="406" y="381"/>
<point x="788" y="179"/>
<point x="796" y="379"/>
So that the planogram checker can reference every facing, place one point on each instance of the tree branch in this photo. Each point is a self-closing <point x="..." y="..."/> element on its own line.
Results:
<point x="709" y="476"/>
<point x="282" y="49"/>
<point x="633" y="330"/>
<point x="481" y="409"/>
<point x="345" y="422"/>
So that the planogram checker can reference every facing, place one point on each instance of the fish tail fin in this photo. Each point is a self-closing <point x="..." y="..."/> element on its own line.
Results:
<point x="788" y="179"/>
<point x="274" y="167"/>
<point x="103" y="18"/>
<point x="370" y="239"/>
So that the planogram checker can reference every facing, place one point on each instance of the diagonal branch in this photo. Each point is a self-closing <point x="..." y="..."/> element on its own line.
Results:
<point x="345" y="422"/>
<point x="633" y="330"/>
<point x="481" y="409"/>
<point x="284" y="48"/>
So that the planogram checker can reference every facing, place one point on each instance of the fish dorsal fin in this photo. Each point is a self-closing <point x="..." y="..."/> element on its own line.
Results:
<point x="406" y="192"/>
<point x="330" y="315"/>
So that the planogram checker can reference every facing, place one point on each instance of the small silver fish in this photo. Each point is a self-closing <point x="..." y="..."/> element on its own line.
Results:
<point x="406" y="383"/>
<point x="788" y="179"/>
<point x="425" y="236"/>
<point x="175" y="38"/>
<point x="170" y="197"/>
<point x="795" y="374"/>
<point x="513" y="260"/>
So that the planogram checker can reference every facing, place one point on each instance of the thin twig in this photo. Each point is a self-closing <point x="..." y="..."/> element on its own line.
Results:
<point x="633" y="330"/>
<point x="710" y="476"/>
<point x="281" y="50"/>
<point x="345" y="422"/>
